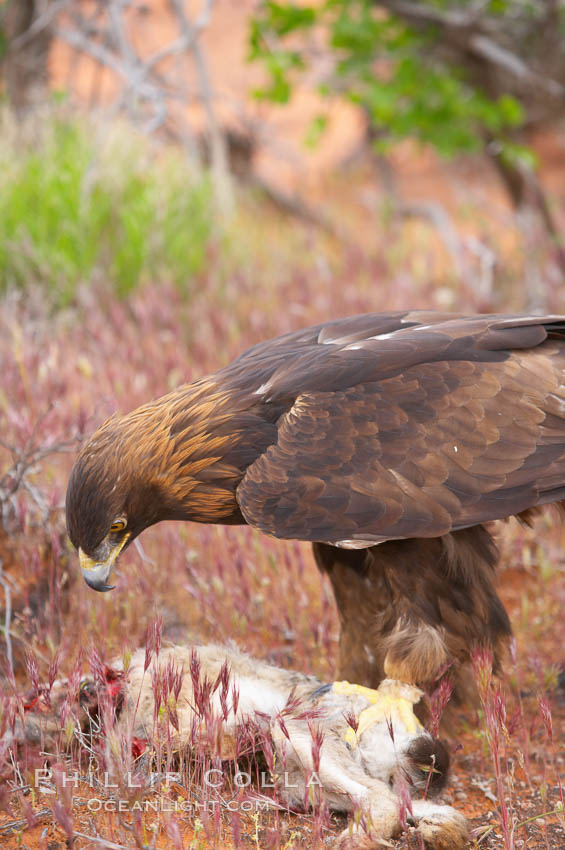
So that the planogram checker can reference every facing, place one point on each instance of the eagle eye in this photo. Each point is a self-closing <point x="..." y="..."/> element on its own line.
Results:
<point x="119" y="524"/>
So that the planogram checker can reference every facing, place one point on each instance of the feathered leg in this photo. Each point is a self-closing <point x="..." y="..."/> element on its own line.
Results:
<point x="410" y="608"/>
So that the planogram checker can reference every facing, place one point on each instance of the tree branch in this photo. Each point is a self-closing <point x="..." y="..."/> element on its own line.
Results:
<point x="468" y="30"/>
<point x="219" y="156"/>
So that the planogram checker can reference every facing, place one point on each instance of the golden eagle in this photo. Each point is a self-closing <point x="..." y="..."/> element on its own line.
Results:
<point x="386" y="439"/>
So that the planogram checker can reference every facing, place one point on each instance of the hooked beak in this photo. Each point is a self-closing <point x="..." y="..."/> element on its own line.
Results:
<point x="96" y="572"/>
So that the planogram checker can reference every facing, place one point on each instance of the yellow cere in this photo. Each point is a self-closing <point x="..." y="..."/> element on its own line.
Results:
<point x="87" y="563"/>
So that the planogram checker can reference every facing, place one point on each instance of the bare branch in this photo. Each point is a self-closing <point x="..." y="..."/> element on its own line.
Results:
<point x="41" y="23"/>
<point x="467" y="30"/>
<point x="296" y="206"/>
<point x="7" y="619"/>
<point x="219" y="157"/>
<point x="77" y="39"/>
<point x="146" y="90"/>
<point x="486" y="48"/>
<point x="438" y="217"/>
<point x="426" y="14"/>
<point x="103" y="842"/>
<point x="18" y="825"/>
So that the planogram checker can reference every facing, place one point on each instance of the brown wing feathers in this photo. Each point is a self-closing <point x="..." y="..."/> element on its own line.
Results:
<point x="448" y="426"/>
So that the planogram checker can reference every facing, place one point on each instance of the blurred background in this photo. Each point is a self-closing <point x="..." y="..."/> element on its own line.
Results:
<point x="426" y="137"/>
<point x="181" y="179"/>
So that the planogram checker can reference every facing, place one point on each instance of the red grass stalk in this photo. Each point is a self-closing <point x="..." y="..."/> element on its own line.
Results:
<point x="494" y="709"/>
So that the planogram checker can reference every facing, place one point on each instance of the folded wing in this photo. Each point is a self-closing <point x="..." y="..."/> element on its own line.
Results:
<point x="450" y="425"/>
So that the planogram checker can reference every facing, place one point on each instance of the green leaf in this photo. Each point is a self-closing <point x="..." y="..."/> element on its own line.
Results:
<point x="284" y="18"/>
<point x="518" y="155"/>
<point x="386" y="68"/>
<point x="511" y="110"/>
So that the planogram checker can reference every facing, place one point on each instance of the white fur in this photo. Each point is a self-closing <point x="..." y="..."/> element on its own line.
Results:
<point x="355" y="769"/>
<point x="350" y="776"/>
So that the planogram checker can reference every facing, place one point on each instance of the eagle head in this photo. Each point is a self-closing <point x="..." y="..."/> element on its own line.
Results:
<point x="167" y="460"/>
<point x="112" y="496"/>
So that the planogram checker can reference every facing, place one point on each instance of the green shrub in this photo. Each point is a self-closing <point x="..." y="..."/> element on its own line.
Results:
<point x="80" y="203"/>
